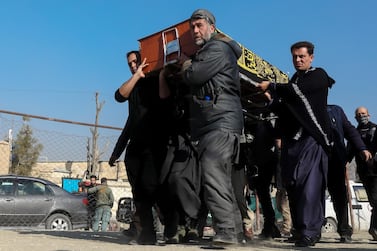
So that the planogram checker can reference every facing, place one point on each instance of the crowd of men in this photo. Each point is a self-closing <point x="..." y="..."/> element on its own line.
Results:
<point x="187" y="154"/>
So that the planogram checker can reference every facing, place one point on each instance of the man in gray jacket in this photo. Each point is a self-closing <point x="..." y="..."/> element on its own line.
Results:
<point x="104" y="203"/>
<point x="216" y="118"/>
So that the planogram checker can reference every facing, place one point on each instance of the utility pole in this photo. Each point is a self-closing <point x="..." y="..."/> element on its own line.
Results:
<point x="10" y="142"/>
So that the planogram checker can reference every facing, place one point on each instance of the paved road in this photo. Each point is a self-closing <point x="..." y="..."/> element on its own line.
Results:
<point x="114" y="241"/>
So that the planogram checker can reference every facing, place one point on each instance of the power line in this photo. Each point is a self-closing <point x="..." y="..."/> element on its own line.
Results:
<point x="59" y="120"/>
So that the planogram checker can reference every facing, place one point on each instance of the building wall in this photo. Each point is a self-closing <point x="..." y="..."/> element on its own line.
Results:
<point x="55" y="171"/>
<point x="4" y="157"/>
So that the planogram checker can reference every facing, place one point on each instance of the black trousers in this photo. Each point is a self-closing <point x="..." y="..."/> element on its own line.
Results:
<point x="262" y="186"/>
<point x="143" y="165"/>
<point x="339" y="195"/>
<point x="239" y="183"/>
<point x="370" y="184"/>
<point x="182" y="178"/>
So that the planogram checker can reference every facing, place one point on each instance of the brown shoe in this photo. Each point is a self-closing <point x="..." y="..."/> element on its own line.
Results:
<point x="248" y="229"/>
<point x="248" y="232"/>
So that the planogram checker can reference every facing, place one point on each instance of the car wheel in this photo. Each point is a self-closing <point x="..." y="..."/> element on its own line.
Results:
<point x="330" y="226"/>
<point x="58" y="222"/>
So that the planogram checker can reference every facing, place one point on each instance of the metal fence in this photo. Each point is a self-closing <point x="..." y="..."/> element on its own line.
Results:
<point x="68" y="141"/>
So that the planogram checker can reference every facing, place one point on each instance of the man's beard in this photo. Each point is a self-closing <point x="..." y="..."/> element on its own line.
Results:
<point x="199" y="42"/>
<point x="203" y="40"/>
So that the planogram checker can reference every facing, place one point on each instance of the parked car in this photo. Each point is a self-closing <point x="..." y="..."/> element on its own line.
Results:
<point x="126" y="209"/>
<point x="361" y="210"/>
<point x="29" y="202"/>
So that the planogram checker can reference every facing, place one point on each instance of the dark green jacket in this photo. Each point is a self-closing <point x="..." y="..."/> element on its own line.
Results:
<point x="104" y="195"/>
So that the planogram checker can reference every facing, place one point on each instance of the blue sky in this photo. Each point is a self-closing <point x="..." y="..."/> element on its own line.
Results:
<point x="56" y="54"/>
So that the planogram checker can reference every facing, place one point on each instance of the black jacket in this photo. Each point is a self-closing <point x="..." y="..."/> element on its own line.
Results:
<point x="213" y="78"/>
<point x="369" y="136"/>
<point x="146" y="122"/>
<point x="343" y="129"/>
<point x="302" y="103"/>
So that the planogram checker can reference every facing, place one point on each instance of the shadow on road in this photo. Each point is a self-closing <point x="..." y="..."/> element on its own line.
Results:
<point x="113" y="237"/>
<point x="327" y="243"/>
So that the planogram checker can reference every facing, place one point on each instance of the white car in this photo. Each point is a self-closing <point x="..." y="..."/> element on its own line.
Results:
<point x="361" y="210"/>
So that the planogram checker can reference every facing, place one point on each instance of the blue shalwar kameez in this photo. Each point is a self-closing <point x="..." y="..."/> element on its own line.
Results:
<point x="305" y="174"/>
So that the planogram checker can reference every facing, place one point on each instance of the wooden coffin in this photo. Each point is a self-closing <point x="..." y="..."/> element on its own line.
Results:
<point x="166" y="46"/>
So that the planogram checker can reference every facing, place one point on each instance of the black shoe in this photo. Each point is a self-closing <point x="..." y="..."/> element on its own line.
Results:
<point x="305" y="241"/>
<point x="276" y="233"/>
<point x="345" y="239"/>
<point x="373" y="233"/>
<point x="225" y="236"/>
<point x="192" y="236"/>
<point x="295" y="237"/>
<point x="270" y="233"/>
<point x="241" y="238"/>
<point x="265" y="233"/>
<point x="178" y="237"/>
<point x="286" y="235"/>
<point x="317" y="238"/>
<point x="147" y="239"/>
<point x="146" y="242"/>
<point x="130" y="233"/>
<point x="172" y="240"/>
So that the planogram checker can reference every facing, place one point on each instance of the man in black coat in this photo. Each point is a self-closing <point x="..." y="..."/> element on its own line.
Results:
<point x="367" y="170"/>
<point x="305" y="129"/>
<point x="146" y="138"/>
<point x="342" y="129"/>
<point x="264" y="156"/>
<point x="216" y="119"/>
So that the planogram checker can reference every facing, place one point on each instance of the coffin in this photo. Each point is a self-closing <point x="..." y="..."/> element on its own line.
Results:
<point x="166" y="46"/>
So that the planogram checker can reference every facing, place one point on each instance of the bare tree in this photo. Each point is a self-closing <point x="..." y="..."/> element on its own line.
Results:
<point x="93" y="152"/>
